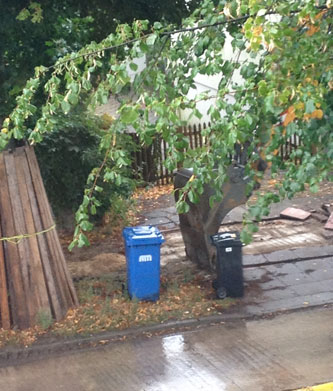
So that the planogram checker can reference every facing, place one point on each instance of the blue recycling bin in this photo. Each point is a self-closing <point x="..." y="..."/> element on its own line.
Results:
<point x="142" y="246"/>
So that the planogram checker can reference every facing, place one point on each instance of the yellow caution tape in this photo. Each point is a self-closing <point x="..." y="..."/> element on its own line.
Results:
<point x="17" y="239"/>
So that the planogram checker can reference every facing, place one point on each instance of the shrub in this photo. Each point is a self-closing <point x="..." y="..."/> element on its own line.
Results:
<point x="66" y="157"/>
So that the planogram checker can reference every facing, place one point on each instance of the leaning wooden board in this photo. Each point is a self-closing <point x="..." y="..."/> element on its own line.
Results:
<point x="4" y="304"/>
<point x="17" y="298"/>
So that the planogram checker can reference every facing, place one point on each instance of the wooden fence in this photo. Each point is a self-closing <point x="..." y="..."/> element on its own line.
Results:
<point x="286" y="149"/>
<point x="148" y="162"/>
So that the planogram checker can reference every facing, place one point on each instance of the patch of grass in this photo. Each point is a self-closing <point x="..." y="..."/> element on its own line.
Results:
<point x="105" y="305"/>
<point x="84" y="290"/>
<point x="188" y="275"/>
<point x="44" y="319"/>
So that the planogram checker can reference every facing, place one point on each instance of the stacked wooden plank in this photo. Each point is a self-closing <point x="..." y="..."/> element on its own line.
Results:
<point x="34" y="278"/>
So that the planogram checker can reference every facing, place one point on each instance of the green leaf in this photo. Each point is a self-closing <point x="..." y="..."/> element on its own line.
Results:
<point x="86" y="225"/>
<point x="93" y="210"/>
<point x="73" y="99"/>
<point x="86" y="201"/>
<point x="193" y="196"/>
<point x="310" y="106"/>
<point x="17" y="133"/>
<point x="128" y="114"/>
<point x="158" y="25"/>
<point x="262" y="88"/>
<point x="23" y="15"/>
<point x="295" y="187"/>
<point x="133" y="66"/>
<point x="246" y="237"/>
<point x="79" y="216"/>
<point x="183" y="207"/>
<point x="314" y="188"/>
<point x="73" y="244"/>
<point x="86" y="84"/>
<point x="65" y="106"/>
<point x="151" y="39"/>
<point x="83" y="241"/>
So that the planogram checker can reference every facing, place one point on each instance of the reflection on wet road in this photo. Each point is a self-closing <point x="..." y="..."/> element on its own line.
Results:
<point x="287" y="352"/>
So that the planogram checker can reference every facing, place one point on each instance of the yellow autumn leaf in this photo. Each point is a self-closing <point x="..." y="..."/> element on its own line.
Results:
<point x="317" y="114"/>
<point x="321" y="14"/>
<point x="6" y="122"/>
<point x="312" y="30"/>
<point x="303" y="20"/>
<point x="257" y="31"/>
<point x="299" y="106"/>
<point x="290" y="116"/>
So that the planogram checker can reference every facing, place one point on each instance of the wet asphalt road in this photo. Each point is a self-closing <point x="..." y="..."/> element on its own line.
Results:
<point x="283" y="353"/>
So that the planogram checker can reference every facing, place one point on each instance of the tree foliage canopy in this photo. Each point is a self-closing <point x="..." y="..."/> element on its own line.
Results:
<point x="39" y="32"/>
<point x="286" y="90"/>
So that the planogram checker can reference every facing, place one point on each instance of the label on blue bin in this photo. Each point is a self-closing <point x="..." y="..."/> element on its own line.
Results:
<point x="145" y="258"/>
<point x="228" y="249"/>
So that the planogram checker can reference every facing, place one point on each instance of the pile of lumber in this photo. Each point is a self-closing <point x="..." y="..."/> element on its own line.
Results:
<point x="34" y="279"/>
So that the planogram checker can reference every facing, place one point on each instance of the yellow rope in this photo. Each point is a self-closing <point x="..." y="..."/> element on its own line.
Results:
<point x="16" y="239"/>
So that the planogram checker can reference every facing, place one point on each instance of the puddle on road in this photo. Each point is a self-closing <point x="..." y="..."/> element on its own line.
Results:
<point x="173" y="345"/>
<point x="184" y="369"/>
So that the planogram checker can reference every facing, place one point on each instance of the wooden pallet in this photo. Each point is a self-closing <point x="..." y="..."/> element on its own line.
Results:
<point x="34" y="277"/>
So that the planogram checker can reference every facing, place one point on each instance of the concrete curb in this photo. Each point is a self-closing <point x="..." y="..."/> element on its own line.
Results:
<point x="18" y="356"/>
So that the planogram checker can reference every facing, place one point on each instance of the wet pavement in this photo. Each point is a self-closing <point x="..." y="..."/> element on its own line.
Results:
<point x="289" y="265"/>
<point x="288" y="286"/>
<point x="166" y="218"/>
<point x="281" y="280"/>
<point x="288" y="352"/>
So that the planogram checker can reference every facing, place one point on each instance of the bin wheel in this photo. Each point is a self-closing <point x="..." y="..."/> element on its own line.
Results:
<point x="221" y="292"/>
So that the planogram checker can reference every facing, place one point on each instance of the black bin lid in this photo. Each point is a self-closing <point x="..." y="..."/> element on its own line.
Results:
<point x="226" y="239"/>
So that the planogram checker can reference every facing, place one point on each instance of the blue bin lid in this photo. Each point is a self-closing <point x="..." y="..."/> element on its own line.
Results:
<point x="143" y="234"/>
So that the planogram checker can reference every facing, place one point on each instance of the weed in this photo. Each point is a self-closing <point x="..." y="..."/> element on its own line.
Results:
<point x="85" y="290"/>
<point x="188" y="276"/>
<point x="44" y="319"/>
<point x="88" y="311"/>
<point x="106" y="308"/>
<point x="133" y="309"/>
<point x="173" y="287"/>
